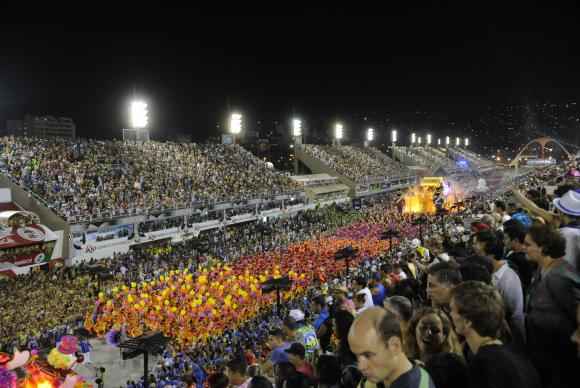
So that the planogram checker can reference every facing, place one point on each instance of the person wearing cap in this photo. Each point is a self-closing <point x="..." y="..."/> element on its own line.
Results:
<point x="569" y="208"/>
<point x="297" y="357"/>
<point x="422" y="252"/>
<point x="304" y="333"/>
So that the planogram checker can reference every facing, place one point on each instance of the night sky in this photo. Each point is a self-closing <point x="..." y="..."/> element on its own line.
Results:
<point x="193" y="66"/>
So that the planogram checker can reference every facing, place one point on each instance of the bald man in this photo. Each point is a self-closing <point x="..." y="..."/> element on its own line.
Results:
<point x="376" y="340"/>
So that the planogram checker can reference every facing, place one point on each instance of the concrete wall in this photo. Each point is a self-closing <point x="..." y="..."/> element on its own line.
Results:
<point x="47" y="217"/>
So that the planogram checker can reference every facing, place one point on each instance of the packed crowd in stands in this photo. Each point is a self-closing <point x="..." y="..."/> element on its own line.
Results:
<point x="356" y="163"/>
<point x="488" y="297"/>
<point x="90" y="178"/>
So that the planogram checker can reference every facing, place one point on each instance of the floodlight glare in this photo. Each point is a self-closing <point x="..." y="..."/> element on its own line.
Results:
<point x="297" y="127"/>
<point x="439" y="141"/>
<point x="467" y="142"/>
<point x="429" y="139"/>
<point x="139" y="114"/>
<point x="419" y="140"/>
<point x="447" y="140"/>
<point x="370" y="134"/>
<point x="338" y="131"/>
<point x="413" y="138"/>
<point x="457" y="141"/>
<point x="394" y="135"/>
<point x="235" y="123"/>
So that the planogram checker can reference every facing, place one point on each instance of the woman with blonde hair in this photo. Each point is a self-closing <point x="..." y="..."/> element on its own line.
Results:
<point x="430" y="333"/>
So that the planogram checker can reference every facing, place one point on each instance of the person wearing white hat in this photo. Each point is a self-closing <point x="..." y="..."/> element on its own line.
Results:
<point x="305" y="334"/>
<point x="422" y="252"/>
<point x="569" y="208"/>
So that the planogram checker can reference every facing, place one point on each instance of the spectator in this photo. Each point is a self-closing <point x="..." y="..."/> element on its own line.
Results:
<point x="507" y="282"/>
<point x="360" y="303"/>
<point x="376" y="340"/>
<point x="296" y="356"/>
<point x="430" y="333"/>
<point x="402" y="308"/>
<point x="283" y="372"/>
<point x="305" y="334"/>
<point x="441" y="279"/>
<point x="551" y="307"/>
<point x="471" y="270"/>
<point x="323" y="322"/>
<point x="361" y="287"/>
<point x="342" y="322"/>
<point x="278" y="345"/>
<point x="260" y="382"/>
<point x="515" y="234"/>
<point x="569" y="208"/>
<point x="378" y="290"/>
<point x="328" y="371"/>
<point x="448" y="370"/>
<point x="478" y="314"/>
<point x="236" y="371"/>
<point x="341" y="300"/>
<point x="500" y="209"/>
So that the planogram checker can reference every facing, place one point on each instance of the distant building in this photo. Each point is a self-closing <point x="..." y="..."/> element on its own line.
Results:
<point x="42" y="126"/>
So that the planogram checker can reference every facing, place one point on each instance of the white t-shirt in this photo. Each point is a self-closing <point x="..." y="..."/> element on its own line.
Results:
<point x="572" y="236"/>
<point x="368" y="297"/>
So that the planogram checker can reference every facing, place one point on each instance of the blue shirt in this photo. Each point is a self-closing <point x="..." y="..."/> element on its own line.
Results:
<point x="380" y="297"/>
<point x="279" y="355"/>
<point x="323" y="316"/>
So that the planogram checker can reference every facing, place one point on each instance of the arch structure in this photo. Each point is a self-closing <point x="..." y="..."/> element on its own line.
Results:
<point x="542" y="142"/>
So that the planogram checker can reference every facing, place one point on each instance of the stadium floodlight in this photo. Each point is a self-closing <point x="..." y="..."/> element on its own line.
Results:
<point x="428" y="139"/>
<point x="235" y="123"/>
<point x="370" y="134"/>
<point x="394" y="135"/>
<point x="419" y="140"/>
<point x="457" y="142"/>
<point x="439" y="141"/>
<point x="139" y="114"/>
<point x="297" y="127"/>
<point x="447" y="140"/>
<point x="338" y="131"/>
<point x="413" y="138"/>
<point x="467" y="142"/>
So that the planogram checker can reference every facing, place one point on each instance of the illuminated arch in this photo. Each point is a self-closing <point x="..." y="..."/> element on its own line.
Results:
<point x="542" y="142"/>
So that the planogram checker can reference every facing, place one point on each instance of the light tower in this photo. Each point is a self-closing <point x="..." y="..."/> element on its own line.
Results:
<point x="139" y="120"/>
<point x="370" y="137"/>
<point x="338" y="133"/>
<point x="393" y="141"/>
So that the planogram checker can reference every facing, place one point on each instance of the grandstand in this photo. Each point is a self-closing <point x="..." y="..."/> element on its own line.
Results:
<point x="365" y="170"/>
<point x="106" y="179"/>
<point x="103" y="197"/>
<point x="471" y="160"/>
<point x="431" y="160"/>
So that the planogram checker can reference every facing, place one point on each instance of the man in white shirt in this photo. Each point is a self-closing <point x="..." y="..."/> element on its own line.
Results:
<point x="361" y="287"/>
<point x="506" y="280"/>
